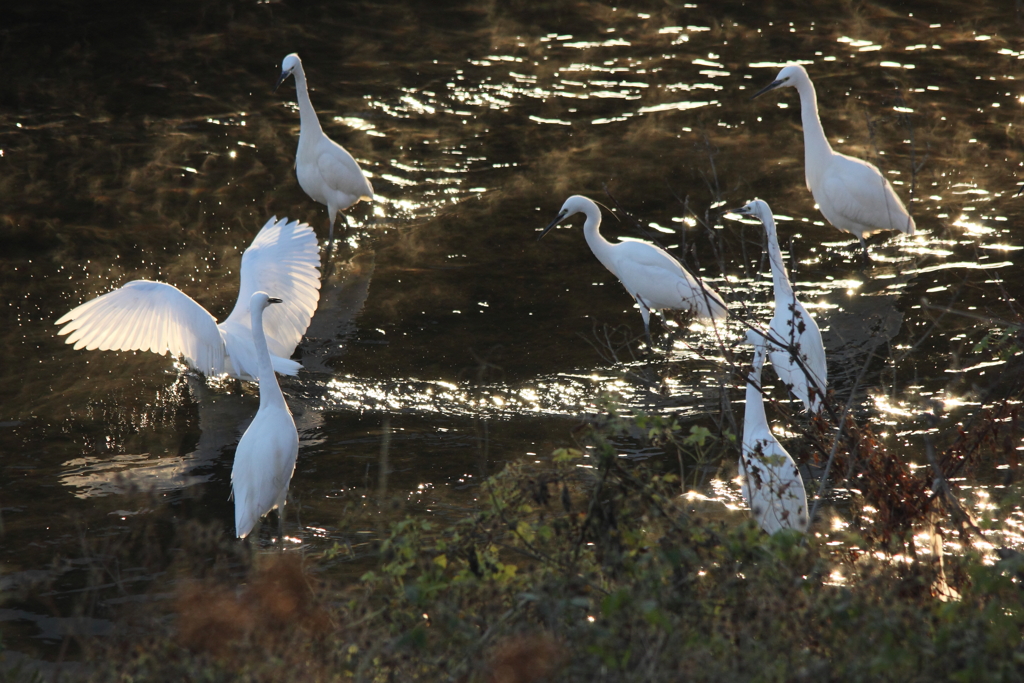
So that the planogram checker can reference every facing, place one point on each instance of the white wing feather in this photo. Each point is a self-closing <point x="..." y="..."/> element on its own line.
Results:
<point x="340" y="172"/>
<point x="147" y="316"/>
<point x="284" y="262"/>
<point x="859" y="193"/>
<point x="793" y="326"/>
<point x="662" y="281"/>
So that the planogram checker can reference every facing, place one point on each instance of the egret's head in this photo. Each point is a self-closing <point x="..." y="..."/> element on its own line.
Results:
<point x="260" y="300"/>
<point x="757" y="208"/>
<point x="791" y="75"/>
<point x="573" y="205"/>
<point x="288" y="67"/>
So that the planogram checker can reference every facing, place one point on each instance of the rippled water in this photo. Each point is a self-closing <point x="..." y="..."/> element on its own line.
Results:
<point x="152" y="146"/>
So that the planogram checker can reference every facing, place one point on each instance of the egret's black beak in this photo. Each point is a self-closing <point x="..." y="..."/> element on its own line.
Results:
<point x="286" y="74"/>
<point x="771" y="86"/>
<point x="274" y="300"/>
<point x="743" y="211"/>
<point x="558" y="219"/>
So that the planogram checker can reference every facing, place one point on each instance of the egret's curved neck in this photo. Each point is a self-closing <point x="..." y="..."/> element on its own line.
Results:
<point x="753" y="412"/>
<point x="780" y="278"/>
<point x="270" y="390"/>
<point x="816" y="148"/>
<point x="307" y="117"/>
<point x="601" y="247"/>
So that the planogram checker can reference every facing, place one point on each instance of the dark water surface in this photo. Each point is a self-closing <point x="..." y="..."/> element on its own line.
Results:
<point x="149" y="144"/>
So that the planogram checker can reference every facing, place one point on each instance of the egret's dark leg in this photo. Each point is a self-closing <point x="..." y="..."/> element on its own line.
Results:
<point x="330" y="231"/>
<point x="645" y="313"/>
<point x="864" y="251"/>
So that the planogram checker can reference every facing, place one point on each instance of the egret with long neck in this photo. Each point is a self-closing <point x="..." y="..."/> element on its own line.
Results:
<point x="794" y="341"/>
<point x="852" y="194"/>
<point x="771" y="482"/>
<point x="265" y="457"/>
<point x="325" y="169"/>
<point x="652" y="277"/>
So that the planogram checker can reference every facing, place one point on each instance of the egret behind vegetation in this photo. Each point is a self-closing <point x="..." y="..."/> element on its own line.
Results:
<point x="651" y="276"/>
<point x="852" y="194"/>
<point x="794" y="344"/>
<point x="771" y="481"/>
<point x="154" y="316"/>
<point x="325" y="169"/>
<point x="265" y="457"/>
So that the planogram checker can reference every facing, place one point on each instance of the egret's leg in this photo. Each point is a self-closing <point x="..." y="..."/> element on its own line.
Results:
<point x="645" y="313"/>
<point x="280" y="522"/>
<point x="330" y="231"/>
<point x="864" y="250"/>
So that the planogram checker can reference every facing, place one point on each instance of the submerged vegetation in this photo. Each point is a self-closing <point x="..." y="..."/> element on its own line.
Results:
<point x="587" y="566"/>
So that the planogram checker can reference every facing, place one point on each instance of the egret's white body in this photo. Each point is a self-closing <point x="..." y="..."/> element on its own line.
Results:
<point x="792" y="328"/>
<point x="771" y="481"/>
<point x="325" y="169"/>
<point x="852" y="194"/>
<point x="154" y="316"/>
<point x="652" y="277"/>
<point x="265" y="457"/>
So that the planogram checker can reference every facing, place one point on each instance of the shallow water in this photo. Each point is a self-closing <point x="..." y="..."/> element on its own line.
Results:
<point x="153" y="146"/>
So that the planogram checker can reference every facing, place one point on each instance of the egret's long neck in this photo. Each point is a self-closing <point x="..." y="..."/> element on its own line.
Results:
<point x="601" y="247"/>
<point x="816" y="148"/>
<point x="753" y="411"/>
<point x="270" y="390"/>
<point x="307" y="117"/>
<point x="780" y="278"/>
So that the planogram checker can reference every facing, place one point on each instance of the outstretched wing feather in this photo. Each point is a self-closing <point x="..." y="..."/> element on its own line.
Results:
<point x="284" y="262"/>
<point x="147" y="316"/>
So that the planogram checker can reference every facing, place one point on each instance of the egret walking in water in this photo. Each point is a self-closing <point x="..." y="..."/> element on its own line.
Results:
<point x="326" y="171"/>
<point x="154" y="316"/>
<point x="265" y="457"/>
<point x="651" y="276"/>
<point x="771" y="481"/>
<point x="794" y="344"/>
<point x="852" y="194"/>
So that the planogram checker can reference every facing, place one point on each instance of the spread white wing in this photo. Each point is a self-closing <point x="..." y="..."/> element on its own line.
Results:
<point x="147" y="316"/>
<point x="284" y="262"/>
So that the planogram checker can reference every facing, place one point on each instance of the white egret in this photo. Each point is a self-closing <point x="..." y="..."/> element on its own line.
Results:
<point x="771" y="481"/>
<point x="326" y="171"/>
<point x="794" y="344"/>
<point x="852" y="194"/>
<point x="651" y="276"/>
<point x="265" y="457"/>
<point x="154" y="316"/>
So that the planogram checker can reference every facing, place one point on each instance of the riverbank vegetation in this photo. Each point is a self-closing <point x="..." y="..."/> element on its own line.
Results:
<point x="587" y="566"/>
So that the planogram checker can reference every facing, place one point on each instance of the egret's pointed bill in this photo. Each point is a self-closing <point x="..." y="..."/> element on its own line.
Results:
<point x="275" y="300"/>
<point x="771" y="86"/>
<point x="286" y="74"/>
<point x="558" y="219"/>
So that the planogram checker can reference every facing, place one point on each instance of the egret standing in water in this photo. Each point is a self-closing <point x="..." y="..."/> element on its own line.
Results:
<point x="326" y="171"/>
<point x="852" y="194"/>
<point x="651" y="276"/>
<point x="154" y="316"/>
<point x="771" y="481"/>
<point x="794" y="344"/>
<point x="265" y="457"/>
